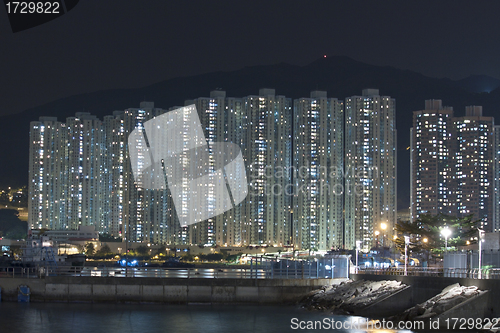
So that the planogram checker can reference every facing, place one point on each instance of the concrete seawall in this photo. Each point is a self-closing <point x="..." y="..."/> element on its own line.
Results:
<point x="158" y="290"/>
<point x="425" y="287"/>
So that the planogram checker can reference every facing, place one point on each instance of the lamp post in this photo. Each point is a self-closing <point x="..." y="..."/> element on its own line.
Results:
<point x="407" y="241"/>
<point x="425" y="240"/>
<point x="376" y="234"/>
<point x="479" y="276"/>
<point x="446" y="232"/>
<point x="358" y="245"/>
<point x="383" y="226"/>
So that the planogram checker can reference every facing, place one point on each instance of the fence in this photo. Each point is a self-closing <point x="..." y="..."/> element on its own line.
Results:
<point x="415" y="271"/>
<point x="24" y="272"/>
<point x="470" y="259"/>
<point x="337" y="267"/>
<point x="486" y="273"/>
<point x="260" y="268"/>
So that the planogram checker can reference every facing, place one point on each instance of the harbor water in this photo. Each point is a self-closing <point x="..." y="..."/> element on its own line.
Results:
<point x="139" y="318"/>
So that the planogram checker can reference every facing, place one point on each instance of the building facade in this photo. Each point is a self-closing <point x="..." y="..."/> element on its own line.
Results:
<point x="320" y="175"/>
<point x="267" y="150"/>
<point x="474" y="165"/>
<point x="317" y="172"/>
<point x="47" y="174"/>
<point x="432" y="158"/>
<point x="496" y="171"/>
<point x="453" y="164"/>
<point x="221" y="118"/>
<point x="370" y="167"/>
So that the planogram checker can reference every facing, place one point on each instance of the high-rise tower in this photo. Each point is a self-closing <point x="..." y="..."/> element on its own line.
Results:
<point x="317" y="170"/>
<point x="370" y="167"/>
<point x="432" y="158"/>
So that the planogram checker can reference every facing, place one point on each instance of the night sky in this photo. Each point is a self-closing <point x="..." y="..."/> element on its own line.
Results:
<point x="110" y="44"/>
<point x="129" y="44"/>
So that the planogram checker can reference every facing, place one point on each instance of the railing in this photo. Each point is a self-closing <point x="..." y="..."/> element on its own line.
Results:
<point x="490" y="273"/>
<point x="414" y="271"/>
<point x="22" y="272"/>
<point x="288" y="270"/>
<point x="475" y="273"/>
<point x="179" y="273"/>
<point x="262" y="268"/>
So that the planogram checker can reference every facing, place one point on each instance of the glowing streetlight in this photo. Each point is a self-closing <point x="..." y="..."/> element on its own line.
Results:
<point x="383" y="226"/>
<point x="480" y="250"/>
<point x="446" y="232"/>
<point x="358" y="245"/>
<point x="407" y="242"/>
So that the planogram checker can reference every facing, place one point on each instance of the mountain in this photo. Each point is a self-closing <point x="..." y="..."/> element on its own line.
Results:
<point x="479" y="83"/>
<point x="339" y="76"/>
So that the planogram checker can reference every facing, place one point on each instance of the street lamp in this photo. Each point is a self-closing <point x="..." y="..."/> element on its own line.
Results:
<point x="376" y="234"/>
<point x="446" y="232"/>
<point x="383" y="226"/>
<point x="407" y="242"/>
<point x="358" y="245"/>
<point x="480" y="250"/>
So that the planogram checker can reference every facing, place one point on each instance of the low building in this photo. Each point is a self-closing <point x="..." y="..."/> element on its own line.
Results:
<point x="84" y="233"/>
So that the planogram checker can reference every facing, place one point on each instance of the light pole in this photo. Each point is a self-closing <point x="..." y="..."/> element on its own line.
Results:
<point x="407" y="241"/>
<point x="383" y="226"/>
<point x="479" y="276"/>
<point x="376" y="234"/>
<point x="425" y="240"/>
<point x="358" y="245"/>
<point x="446" y="232"/>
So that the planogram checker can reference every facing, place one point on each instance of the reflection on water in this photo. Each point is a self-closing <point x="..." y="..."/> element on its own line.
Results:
<point x="125" y="318"/>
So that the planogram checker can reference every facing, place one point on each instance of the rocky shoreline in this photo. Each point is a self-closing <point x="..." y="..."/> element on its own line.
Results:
<point x="366" y="298"/>
<point x="442" y="302"/>
<point x="348" y="296"/>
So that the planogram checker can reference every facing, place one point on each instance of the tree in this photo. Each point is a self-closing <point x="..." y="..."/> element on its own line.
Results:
<point x="106" y="237"/>
<point x="89" y="249"/>
<point x="233" y="257"/>
<point x="104" y="250"/>
<point x="142" y="250"/>
<point x="213" y="257"/>
<point x="16" y="250"/>
<point x="429" y="227"/>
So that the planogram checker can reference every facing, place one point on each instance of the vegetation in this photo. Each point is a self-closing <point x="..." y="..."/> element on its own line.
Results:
<point x="104" y="250"/>
<point x="16" y="250"/>
<point x="142" y="250"/>
<point x="89" y="249"/>
<point x="147" y="253"/>
<point x="425" y="233"/>
<point x="11" y="226"/>
<point x="106" y="237"/>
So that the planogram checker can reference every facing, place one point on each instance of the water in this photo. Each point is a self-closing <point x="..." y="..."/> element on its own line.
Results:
<point x="138" y="318"/>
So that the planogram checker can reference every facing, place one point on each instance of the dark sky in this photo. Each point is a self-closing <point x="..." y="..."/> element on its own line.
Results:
<point x="125" y="44"/>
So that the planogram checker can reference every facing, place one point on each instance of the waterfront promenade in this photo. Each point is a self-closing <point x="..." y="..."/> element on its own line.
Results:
<point x="161" y="290"/>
